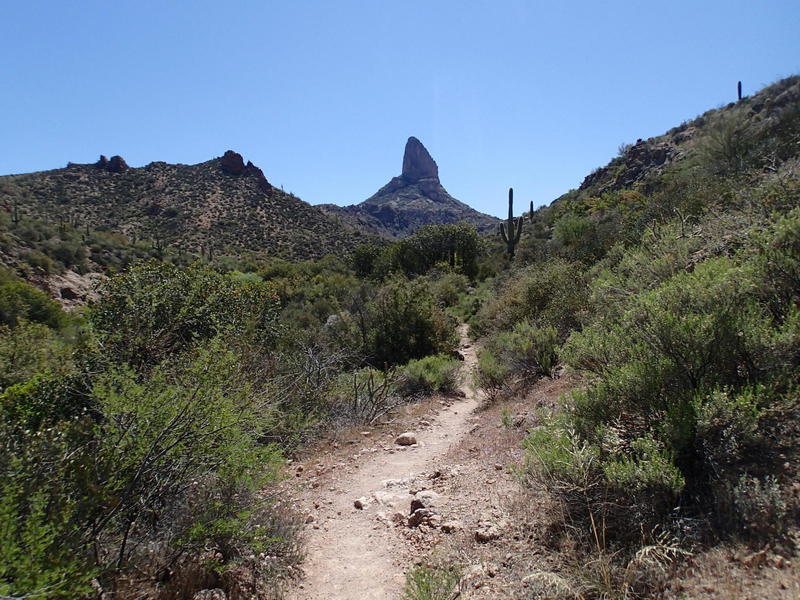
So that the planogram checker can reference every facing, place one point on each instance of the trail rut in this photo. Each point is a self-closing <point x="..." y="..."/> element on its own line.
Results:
<point x="353" y="554"/>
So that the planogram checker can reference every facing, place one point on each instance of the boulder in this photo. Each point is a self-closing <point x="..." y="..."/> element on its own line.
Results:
<point x="117" y="164"/>
<point x="424" y="499"/>
<point x="232" y="163"/>
<point x="406" y="439"/>
<point x="423" y="516"/>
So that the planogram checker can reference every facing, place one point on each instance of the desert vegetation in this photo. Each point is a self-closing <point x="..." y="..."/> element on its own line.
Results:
<point x="143" y="434"/>
<point x="674" y="301"/>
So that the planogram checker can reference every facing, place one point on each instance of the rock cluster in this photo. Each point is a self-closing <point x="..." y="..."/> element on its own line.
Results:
<point x="116" y="164"/>
<point x="639" y="161"/>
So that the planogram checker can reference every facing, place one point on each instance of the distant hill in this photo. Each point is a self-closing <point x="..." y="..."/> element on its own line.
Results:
<point x="222" y="204"/>
<point x="410" y="201"/>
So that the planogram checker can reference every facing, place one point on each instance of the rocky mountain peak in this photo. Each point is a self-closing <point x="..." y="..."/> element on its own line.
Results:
<point x="417" y="162"/>
<point x="232" y="163"/>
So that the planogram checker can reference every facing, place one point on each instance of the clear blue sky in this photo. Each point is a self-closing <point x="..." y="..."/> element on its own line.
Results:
<point x="322" y="95"/>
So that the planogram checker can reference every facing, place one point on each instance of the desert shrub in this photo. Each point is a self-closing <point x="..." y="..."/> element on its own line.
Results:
<point x="432" y="583"/>
<point x="156" y="309"/>
<point x="492" y="376"/>
<point x="447" y="288"/>
<point x="181" y="452"/>
<point x="729" y="148"/>
<point x="402" y="322"/>
<point x="526" y="351"/>
<point x="39" y="260"/>
<point x="46" y="399"/>
<point x="553" y="294"/>
<point x="576" y="238"/>
<point x="42" y="553"/>
<point x="165" y="465"/>
<point x="67" y="253"/>
<point x="21" y="301"/>
<point x="364" y="395"/>
<point x="438" y="373"/>
<point x="684" y="373"/>
<point x="28" y="349"/>
<point x="457" y="246"/>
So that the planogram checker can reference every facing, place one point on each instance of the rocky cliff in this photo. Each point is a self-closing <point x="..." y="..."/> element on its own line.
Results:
<point x="409" y="201"/>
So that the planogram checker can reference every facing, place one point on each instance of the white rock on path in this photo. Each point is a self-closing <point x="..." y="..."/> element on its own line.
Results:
<point x="406" y="439"/>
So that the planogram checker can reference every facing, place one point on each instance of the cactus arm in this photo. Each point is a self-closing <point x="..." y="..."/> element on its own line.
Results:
<point x="519" y="230"/>
<point x="503" y="233"/>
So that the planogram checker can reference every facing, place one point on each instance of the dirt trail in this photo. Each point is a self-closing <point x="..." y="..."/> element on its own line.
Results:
<point x="354" y="554"/>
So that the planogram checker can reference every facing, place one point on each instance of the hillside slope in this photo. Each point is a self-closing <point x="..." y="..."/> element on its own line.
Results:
<point x="221" y="204"/>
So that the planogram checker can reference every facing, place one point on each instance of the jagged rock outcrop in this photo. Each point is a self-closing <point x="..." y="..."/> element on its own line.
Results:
<point x="418" y="163"/>
<point x="232" y="163"/>
<point x="412" y="200"/>
<point x="640" y="160"/>
<point x="116" y="164"/>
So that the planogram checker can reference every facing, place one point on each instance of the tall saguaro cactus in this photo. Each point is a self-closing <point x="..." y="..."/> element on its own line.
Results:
<point x="511" y="230"/>
<point x="739" y="90"/>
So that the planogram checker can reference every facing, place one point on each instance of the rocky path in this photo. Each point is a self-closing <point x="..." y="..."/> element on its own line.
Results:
<point x="358" y="553"/>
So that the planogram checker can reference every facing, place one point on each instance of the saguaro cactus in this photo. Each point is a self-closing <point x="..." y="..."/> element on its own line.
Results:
<point x="512" y="233"/>
<point x="739" y="89"/>
<point x="530" y="214"/>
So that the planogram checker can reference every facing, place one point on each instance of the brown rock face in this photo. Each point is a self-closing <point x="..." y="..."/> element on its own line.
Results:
<point x="417" y="162"/>
<point x="254" y="171"/>
<point x="117" y="164"/>
<point x="232" y="163"/>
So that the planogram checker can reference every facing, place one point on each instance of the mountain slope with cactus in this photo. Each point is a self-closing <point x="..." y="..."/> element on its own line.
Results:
<point x="219" y="206"/>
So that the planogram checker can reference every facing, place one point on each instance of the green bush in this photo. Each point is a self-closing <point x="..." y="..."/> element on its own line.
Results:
<point x="432" y="583"/>
<point x="691" y="370"/>
<point x="169" y="464"/>
<point x="45" y="399"/>
<point x="492" y="375"/>
<point x="403" y="322"/>
<point x="156" y="309"/>
<point x="28" y="349"/>
<point x="553" y="294"/>
<point x="21" y="301"/>
<point x="364" y="395"/>
<point x="438" y="373"/>
<point x="42" y="551"/>
<point x="39" y="260"/>
<point x="527" y="351"/>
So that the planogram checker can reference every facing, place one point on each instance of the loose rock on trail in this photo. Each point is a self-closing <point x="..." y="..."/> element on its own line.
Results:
<point x="359" y="510"/>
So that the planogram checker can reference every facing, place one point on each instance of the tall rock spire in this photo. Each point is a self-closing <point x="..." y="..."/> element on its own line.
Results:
<point x="417" y="162"/>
